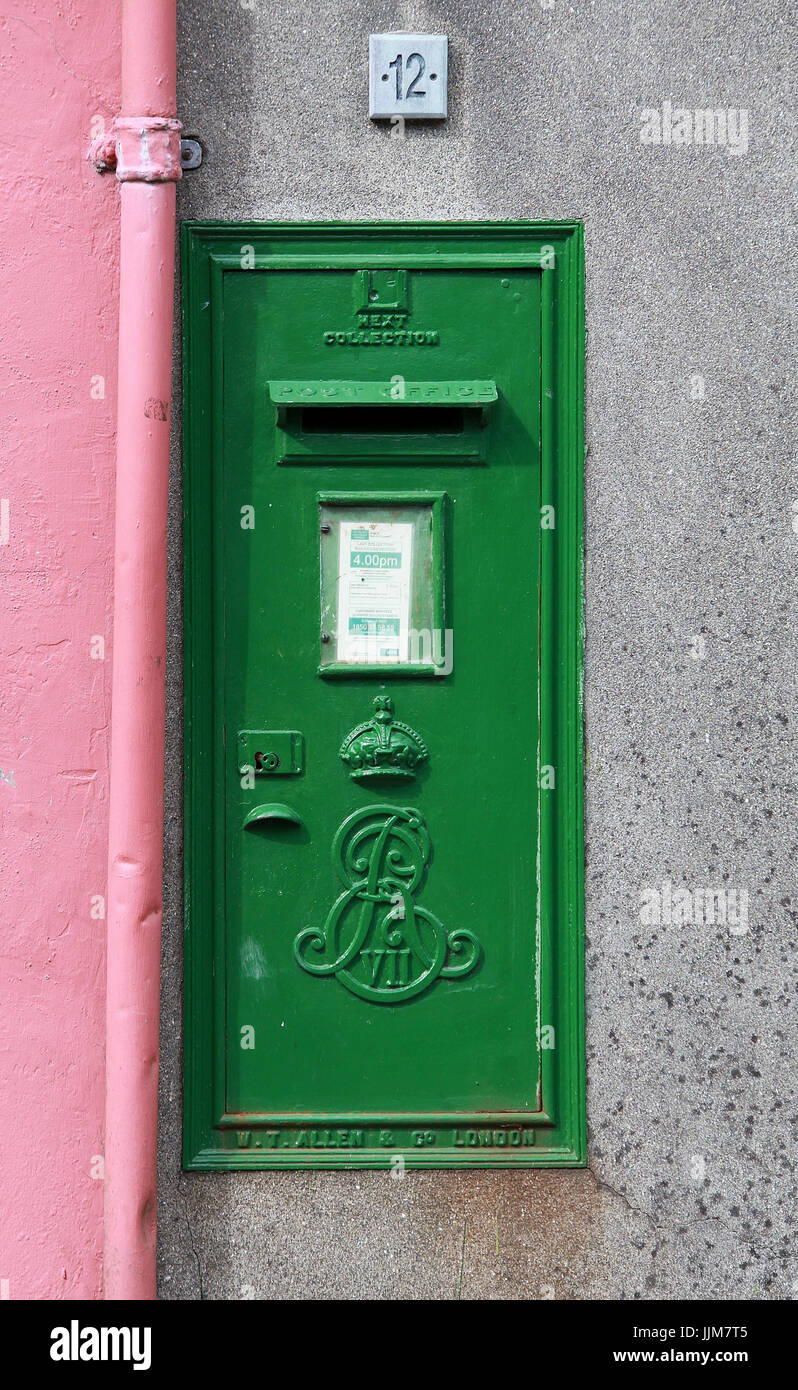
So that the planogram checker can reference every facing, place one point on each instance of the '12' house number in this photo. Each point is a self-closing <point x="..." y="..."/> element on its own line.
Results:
<point x="408" y="76"/>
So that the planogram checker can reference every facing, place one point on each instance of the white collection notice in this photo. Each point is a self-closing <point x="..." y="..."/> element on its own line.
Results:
<point x="374" y="569"/>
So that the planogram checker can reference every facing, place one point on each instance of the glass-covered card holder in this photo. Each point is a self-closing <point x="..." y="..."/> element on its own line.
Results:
<point x="382" y="583"/>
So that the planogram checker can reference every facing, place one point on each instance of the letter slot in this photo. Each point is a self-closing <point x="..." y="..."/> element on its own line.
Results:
<point x="421" y="421"/>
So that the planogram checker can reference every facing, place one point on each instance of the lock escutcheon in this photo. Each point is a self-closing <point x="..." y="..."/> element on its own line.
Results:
<point x="271" y="752"/>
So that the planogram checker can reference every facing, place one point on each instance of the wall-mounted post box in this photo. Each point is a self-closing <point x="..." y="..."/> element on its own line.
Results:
<point x="383" y="459"/>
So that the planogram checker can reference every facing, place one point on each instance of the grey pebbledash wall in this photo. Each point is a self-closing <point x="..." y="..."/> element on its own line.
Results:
<point x="690" y="691"/>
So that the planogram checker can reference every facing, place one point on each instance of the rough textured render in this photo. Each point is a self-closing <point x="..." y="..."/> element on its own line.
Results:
<point x="59" y="247"/>
<point x="690" y="693"/>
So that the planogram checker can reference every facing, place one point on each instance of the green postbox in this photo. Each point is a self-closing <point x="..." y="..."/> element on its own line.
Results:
<point x="383" y="461"/>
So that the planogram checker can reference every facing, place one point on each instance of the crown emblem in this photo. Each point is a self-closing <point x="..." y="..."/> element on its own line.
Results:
<point x="383" y="746"/>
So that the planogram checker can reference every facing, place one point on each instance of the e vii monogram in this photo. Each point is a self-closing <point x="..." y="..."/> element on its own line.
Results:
<point x="376" y="940"/>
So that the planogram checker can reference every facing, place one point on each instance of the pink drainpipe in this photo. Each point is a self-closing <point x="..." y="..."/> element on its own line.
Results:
<point x="145" y="150"/>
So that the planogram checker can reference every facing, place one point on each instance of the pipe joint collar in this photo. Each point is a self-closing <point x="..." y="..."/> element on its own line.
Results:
<point x="140" y="148"/>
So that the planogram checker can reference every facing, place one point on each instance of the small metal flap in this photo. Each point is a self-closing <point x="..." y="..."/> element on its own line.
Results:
<point x="271" y="752"/>
<point x="272" y="810"/>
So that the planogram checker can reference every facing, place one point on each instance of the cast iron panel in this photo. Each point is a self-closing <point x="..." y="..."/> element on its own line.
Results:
<point x="387" y="970"/>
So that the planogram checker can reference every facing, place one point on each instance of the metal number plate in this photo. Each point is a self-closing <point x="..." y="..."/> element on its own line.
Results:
<point x="408" y="76"/>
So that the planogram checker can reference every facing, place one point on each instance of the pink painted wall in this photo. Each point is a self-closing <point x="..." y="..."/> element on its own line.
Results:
<point x="59" y="71"/>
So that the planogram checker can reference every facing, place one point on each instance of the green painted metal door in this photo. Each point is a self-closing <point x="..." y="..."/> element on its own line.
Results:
<point x="376" y="968"/>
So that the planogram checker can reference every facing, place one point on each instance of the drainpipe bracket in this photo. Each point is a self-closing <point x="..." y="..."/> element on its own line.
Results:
<point x="145" y="149"/>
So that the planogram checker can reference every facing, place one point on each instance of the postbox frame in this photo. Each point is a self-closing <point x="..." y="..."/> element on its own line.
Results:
<point x="209" y="251"/>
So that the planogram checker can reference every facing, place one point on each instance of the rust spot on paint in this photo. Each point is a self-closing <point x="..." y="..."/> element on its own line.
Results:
<point x="127" y="867"/>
